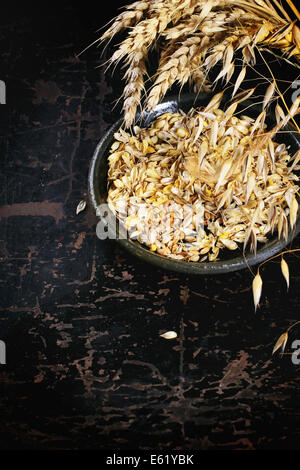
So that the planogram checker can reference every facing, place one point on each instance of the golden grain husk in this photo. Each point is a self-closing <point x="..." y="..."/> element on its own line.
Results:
<point x="169" y="335"/>
<point x="256" y="289"/>
<point x="285" y="271"/>
<point x="195" y="184"/>
<point x="281" y="343"/>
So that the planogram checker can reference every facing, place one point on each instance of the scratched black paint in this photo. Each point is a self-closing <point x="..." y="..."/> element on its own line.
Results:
<point x="86" y="367"/>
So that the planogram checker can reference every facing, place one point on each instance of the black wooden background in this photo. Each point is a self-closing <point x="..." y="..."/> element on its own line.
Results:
<point x="81" y="319"/>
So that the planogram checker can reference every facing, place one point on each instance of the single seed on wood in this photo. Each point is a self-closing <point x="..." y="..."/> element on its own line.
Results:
<point x="256" y="289"/>
<point x="285" y="271"/>
<point x="81" y="206"/>
<point x="169" y="335"/>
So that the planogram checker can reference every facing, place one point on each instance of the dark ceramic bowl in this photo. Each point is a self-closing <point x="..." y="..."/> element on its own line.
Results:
<point x="229" y="260"/>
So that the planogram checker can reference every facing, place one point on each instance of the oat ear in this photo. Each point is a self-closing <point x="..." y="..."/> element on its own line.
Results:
<point x="169" y="335"/>
<point x="296" y="36"/>
<point x="256" y="289"/>
<point x="214" y="102"/>
<point x="293" y="211"/>
<point x="285" y="271"/>
<point x="81" y="206"/>
<point x="239" y="80"/>
<point x="281" y="343"/>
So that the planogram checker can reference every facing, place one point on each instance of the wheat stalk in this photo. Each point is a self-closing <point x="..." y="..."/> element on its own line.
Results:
<point x="133" y="14"/>
<point x="191" y="37"/>
<point x="177" y="64"/>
